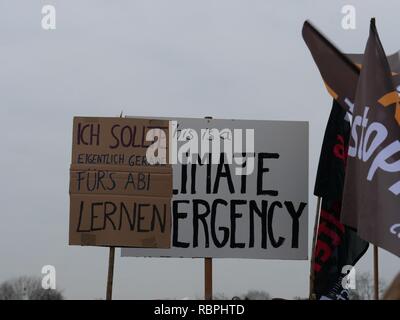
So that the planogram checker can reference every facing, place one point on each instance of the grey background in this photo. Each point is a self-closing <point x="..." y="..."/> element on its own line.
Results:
<point x="288" y="175"/>
<point x="227" y="58"/>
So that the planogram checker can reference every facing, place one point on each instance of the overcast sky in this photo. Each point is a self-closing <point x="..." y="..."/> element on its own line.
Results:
<point x="227" y="58"/>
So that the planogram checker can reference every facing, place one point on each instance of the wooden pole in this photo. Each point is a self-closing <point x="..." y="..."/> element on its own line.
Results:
<point x="110" y="276"/>
<point x="208" y="290"/>
<point x="376" y="274"/>
<point x="314" y="240"/>
<point x="111" y="258"/>
<point x="208" y="279"/>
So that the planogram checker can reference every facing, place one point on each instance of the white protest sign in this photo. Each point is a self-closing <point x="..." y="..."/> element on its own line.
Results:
<point x="219" y="213"/>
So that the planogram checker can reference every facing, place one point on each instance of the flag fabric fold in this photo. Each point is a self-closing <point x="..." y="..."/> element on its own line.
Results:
<point x="371" y="197"/>
<point x="339" y="73"/>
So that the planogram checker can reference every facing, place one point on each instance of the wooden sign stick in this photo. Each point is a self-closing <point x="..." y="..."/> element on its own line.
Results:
<point x="111" y="258"/>
<point x="208" y="295"/>
<point x="110" y="275"/>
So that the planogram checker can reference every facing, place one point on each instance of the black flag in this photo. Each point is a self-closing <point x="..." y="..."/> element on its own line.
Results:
<point x="338" y="247"/>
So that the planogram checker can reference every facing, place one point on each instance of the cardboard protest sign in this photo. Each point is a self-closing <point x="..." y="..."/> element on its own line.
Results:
<point x="219" y="211"/>
<point x="118" y="198"/>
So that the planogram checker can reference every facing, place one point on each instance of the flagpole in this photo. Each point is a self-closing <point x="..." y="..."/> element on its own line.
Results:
<point x="311" y="293"/>
<point x="376" y="274"/>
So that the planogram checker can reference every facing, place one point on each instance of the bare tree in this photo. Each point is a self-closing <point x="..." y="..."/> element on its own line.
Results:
<point x="7" y="292"/>
<point x="27" y="288"/>
<point x="257" y="295"/>
<point x="393" y="292"/>
<point x="250" y="295"/>
<point x="220" y="296"/>
<point x="365" y="287"/>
